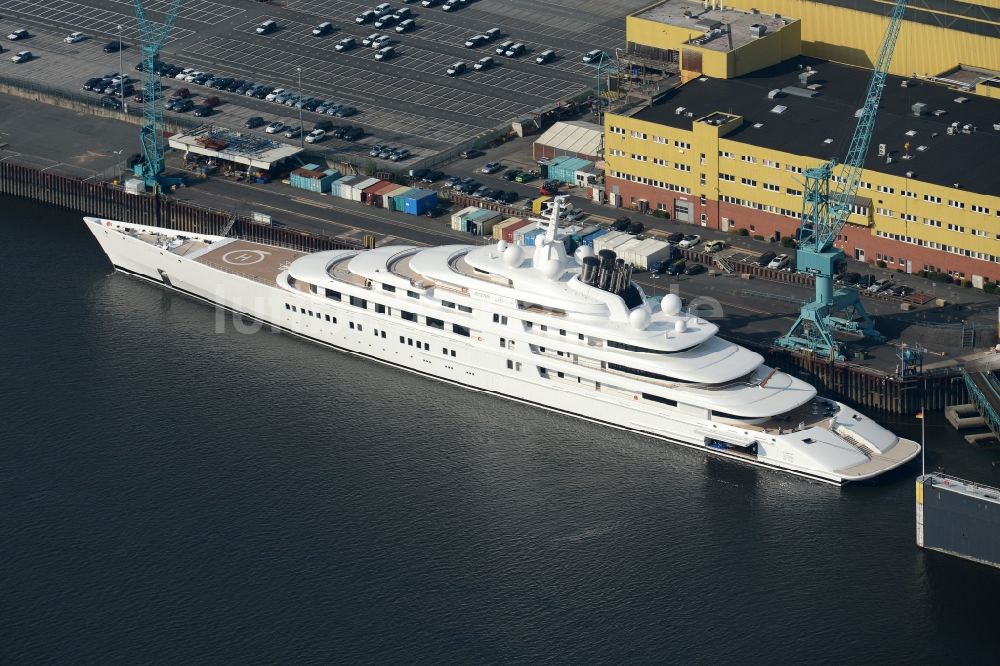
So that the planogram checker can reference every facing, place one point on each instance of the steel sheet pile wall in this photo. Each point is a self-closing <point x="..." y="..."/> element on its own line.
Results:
<point x="101" y="199"/>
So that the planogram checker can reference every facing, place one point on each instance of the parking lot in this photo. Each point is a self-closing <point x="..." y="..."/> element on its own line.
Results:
<point x="407" y="100"/>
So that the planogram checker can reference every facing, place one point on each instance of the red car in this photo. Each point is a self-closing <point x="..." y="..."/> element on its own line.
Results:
<point x="181" y="92"/>
<point x="138" y="97"/>
<point x="211" y="102"/>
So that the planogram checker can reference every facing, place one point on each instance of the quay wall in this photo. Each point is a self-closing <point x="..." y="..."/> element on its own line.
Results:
<point x="859" y="385"/>
<point x="102" y="199"/>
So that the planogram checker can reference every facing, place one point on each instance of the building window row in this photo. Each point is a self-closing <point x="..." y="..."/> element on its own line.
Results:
<point x="616" y="130"/>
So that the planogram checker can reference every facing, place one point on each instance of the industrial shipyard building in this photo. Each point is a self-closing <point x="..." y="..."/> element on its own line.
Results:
<point x="725" y="105"/>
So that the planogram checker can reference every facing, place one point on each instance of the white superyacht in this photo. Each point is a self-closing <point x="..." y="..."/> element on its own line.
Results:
<point x="572" y="334"/>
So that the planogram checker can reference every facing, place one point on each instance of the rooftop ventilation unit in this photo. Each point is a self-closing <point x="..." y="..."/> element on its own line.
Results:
<point x="754" y="10"/>
<point x="679" y="110"/>
<point x="996" y="126"/>
<point x="939" y="112"/>
<point x="918" y="108"/>
<point x="909" y="174"/>
<point x="795" y="91"/>
<point x="961" y="100"/>
<point x="758" y="125"/>
<point x="804" y="76"/>
<point x="827" y="140"/>
<point x="774" y="93"/>
<point x="910" y="132"/>
<point x="779" y="109"/>
<point x="757" y="30"/>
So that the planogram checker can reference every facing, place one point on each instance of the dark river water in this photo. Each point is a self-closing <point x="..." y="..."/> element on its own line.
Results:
<point x="174" y="490"/>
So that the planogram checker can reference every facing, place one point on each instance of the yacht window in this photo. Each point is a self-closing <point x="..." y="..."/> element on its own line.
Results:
<point x="627" y="347"/>
<point x="496" y="318"/>
<point x="452" y="352"/>
<point x="562" y="332"/>
<point x="328" y="317"/>
<point x="287" y="306"/>
<point x="435" y="323"/>
<point x="461" y="330"/>
<point x="383" y="335"/>
<point x="388" y="287"/>
<point x="427" y="346"/>
<point x="464" y="308"/>
<point x="379" y="308"/>
<point x="333" y="295"/>
<point x="656" y="398"/>
<point x="359" y="302"/>
<point x="641" y="373"/>
<point x="408" y="316"/>
<point x="412" y="294"/>
<point x="448" y="304"/>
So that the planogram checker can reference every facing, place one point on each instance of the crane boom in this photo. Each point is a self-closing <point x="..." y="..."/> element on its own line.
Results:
<point x="861" y="140"/>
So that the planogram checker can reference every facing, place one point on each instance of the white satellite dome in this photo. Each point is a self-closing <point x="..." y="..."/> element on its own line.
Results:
<point x="512" y="256"/>
<point x="639" y="318"/>
<point x="680" y="325"/>
<point x="671" y="304"/>
<point x="539" y="240"/>
<point x="501" y="245"/>
<point x="553" y="268"/>
<point x="582" y="252"/>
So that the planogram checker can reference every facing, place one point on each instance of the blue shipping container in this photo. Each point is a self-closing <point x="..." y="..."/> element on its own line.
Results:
<point x="589" y="238"/>
<point x="418" y="202"/>
<point x="529" y="238"/>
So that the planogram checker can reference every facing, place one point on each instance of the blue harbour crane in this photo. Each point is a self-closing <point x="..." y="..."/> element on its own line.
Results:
<point x="824" y="213"/>
<point x="153" y="35"/>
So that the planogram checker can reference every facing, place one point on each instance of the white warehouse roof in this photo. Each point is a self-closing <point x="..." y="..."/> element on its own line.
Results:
<point x="574" y="136"/>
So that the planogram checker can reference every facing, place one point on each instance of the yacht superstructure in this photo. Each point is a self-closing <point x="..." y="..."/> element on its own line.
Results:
<point x="568" y="333"/>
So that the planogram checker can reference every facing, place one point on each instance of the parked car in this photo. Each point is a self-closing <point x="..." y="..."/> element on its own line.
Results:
<point x="503" y="46"/>
<point x="515" y="50"/>
<point x="400" y="155"/>
<point x="367" y="41"/>
<point x="113" y="47"/>
<point x="382" y="8"/>
<point x="493" y="33"/>
<point x="293" y="132"/>
<point x="366" y="16"/>
<point x="110" y="102"/>
<point x="253" y="121"/>
<point x="432" y="176"/>
<point x="765" y="259"/>
<point x="879" y="285"/>
<point x="267" y="27"/>
<point x="202" y="110"/>
<point x="452" y="181"/>
<point x="21" y="56"/>
<point x="779" y="262"/>
<point x="509" y="197"/>
<point x="89" y="84"/>
<point x="324" y="125"/>
<point x="476" y="41"/>
<point x="849" y="278"/>
<point x="430" y="3"/>
<point x="866" y="281"/>
<point x="491" y="167"/>
<point x="635" y="228"/>
<point x="180" y="93"/>
<point x="275" y="127"/>
<point x="675" y="238"/>
<point x="270" y="97"/>
<point x="484" y="63"/>
<point x="549" y="187"/>
<point x="524" y="177"/>
<point x="406" y="25"/>
<point x="385" y="53"/>
<point x="75" y="37"/>
<point x="381" y="42"/>
<point x="548" y="55"/>
<point x="714" y="246"/>
<point x="455" y="69"/>
<point x="18" y="34"/>
<point x="593" y="56"/>
<point x="510" y="174"/>
<point x="324" y="28"/>
<point x="346" y="44"/>
<point x="451" y="5"/>
<point x="376" y="149"/>
<point x="693" y="269"/>
<point x="386" y="21"/>
<point x="690" y="240"/>
<point x="182" y="105"/>
<point x="345" y="111"/>
<point x="316" y="136"/>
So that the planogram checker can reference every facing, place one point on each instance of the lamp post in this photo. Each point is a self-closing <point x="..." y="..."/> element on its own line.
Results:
<point x="121" y="71"/>
<point x="302" y="129"/>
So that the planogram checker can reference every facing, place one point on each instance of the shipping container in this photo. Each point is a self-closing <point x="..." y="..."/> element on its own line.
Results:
<point x="498" y="229"/>
<point x="358" y="188"/>
<point x="376" y="197"/>
<point x="536" y="205"/>
<point x="419" y="201"/>
<point x="313" y="179"/>
<point x="369" y="192"/>
<point x="398" y="201"/>
<point x="458" y="219"/>
<point x="394" y="192"/>
<point x="658" y="251"/>
<point x="346" y="185"/>
<point x="481" y="223"/>
<point x="590" y="238"/>
<point x="634" y="252"/>
<point x="565" y="170"/>
<point x="612" y="238"/>
<point x="508" y="232"/>
<point x="623" y="249"/>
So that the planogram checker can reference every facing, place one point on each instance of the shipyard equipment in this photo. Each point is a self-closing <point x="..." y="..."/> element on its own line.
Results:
<point x="824" y="213"/>
<point x="153" y="35"/>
